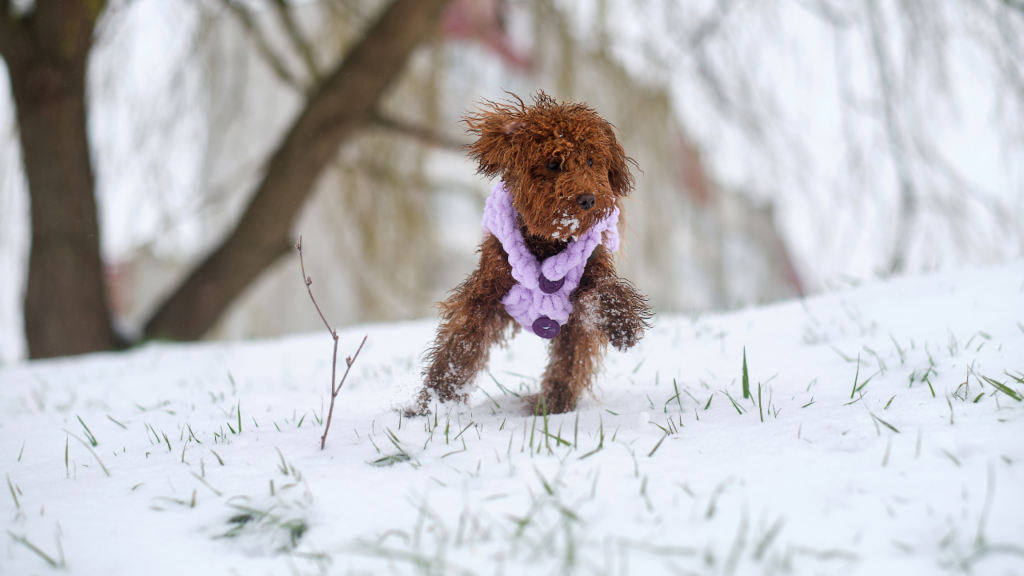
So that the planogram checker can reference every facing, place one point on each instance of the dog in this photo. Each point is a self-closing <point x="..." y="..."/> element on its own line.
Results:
<point x="551" y="226"/>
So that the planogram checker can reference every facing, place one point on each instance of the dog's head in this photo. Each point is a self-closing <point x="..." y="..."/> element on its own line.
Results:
<point x="560" y="161"/>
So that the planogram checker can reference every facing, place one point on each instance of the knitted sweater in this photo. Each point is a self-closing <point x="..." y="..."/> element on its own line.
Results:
<point x="539" y="300"/>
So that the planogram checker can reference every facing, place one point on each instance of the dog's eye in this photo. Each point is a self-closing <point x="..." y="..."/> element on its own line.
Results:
<point x="590" y="162"/>
<point x="554" y="166"/>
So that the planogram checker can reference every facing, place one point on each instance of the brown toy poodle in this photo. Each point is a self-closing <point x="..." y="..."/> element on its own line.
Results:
<point x="546" y="266"/>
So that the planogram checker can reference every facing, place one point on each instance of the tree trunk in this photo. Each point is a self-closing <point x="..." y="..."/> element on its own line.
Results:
<point x="345" y="101"/>
<point x="46" y="52"/>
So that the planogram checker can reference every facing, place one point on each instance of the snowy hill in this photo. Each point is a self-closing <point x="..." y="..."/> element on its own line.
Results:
<point x="885" y="435"/>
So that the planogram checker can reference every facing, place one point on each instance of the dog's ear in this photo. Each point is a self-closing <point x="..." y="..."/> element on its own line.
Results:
<point x="495" y="126"/>
<point x="619" y="177"/>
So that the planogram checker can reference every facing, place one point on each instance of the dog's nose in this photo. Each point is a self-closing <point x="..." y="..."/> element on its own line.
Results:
<point x="586" y="201"/>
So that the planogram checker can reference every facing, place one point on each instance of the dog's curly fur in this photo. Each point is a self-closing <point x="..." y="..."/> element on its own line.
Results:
<point x="549" y="154"/>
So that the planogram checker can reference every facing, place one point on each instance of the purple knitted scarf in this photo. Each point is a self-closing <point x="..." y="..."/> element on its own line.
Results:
<point x="540" y="299"/>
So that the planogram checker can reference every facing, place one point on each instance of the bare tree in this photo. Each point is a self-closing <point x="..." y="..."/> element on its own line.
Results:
<point x="46" y="48"/>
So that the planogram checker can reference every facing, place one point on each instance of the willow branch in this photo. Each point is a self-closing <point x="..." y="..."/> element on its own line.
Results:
<point x="298" y="40"/>
<point x="419" y="132"/>
<point x="894" y="133"/>
<point x="263" y="47"/>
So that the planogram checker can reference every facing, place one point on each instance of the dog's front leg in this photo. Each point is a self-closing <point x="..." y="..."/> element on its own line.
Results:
<point x="623" y="313"/>
<point x="611" y="304"/>
<point x="606" y="309"/>
<point x="473" y="319"/>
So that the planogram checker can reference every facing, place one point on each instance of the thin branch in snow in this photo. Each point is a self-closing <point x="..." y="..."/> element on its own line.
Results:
<point x="334" y="360"/>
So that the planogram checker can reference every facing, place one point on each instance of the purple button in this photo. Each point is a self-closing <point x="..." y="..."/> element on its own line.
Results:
<point x="546" y="327"/>
<point x="550" y="286"/>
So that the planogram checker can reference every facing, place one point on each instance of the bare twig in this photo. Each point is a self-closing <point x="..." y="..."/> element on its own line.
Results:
<point x="308" y="282"/>
<point x="334" y="360"/>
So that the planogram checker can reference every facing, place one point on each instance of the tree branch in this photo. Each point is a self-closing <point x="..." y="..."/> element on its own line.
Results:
<point x="263" y="47"/>
<point x="422" y="133"/>
<point x="345" y="102"/>
<point x="298" y="40"/>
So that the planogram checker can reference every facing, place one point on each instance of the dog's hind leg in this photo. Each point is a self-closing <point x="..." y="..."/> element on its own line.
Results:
<point x="473" y="320"/>
<point x="461" y="350"/>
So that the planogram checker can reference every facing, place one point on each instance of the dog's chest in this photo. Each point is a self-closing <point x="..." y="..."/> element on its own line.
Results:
<point x="542" y="248"/>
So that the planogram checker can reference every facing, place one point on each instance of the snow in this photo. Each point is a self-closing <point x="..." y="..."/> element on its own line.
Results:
<point x="825" y="484"/>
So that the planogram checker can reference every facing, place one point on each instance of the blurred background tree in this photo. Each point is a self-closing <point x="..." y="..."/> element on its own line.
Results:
<point x="46" y="46"/>
<point x="786" y="146"/>
<point x="46" y="49"/>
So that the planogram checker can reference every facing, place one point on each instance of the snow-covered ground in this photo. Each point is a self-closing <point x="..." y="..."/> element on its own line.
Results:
<point x="918" y="471"/>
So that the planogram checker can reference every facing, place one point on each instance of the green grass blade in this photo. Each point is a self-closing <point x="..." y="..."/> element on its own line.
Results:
<point x="746" y="379"/>
<point x="88" y="433"/>
<point x="855" y="377"/>
<point x="734" y="404"/>
<point x="759" y="411"/>
<point x="1004" y="389"/>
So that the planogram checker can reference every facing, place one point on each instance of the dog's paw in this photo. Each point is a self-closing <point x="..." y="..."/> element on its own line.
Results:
<point x="532" y="404"/>
<point x="540" y="405"/>
<point x="430" y="399"/>
<point x="623" y="332"/>
<point x="624" y="315"/>
<point x="413" y="410"/>
<point x="420" y="405"/>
